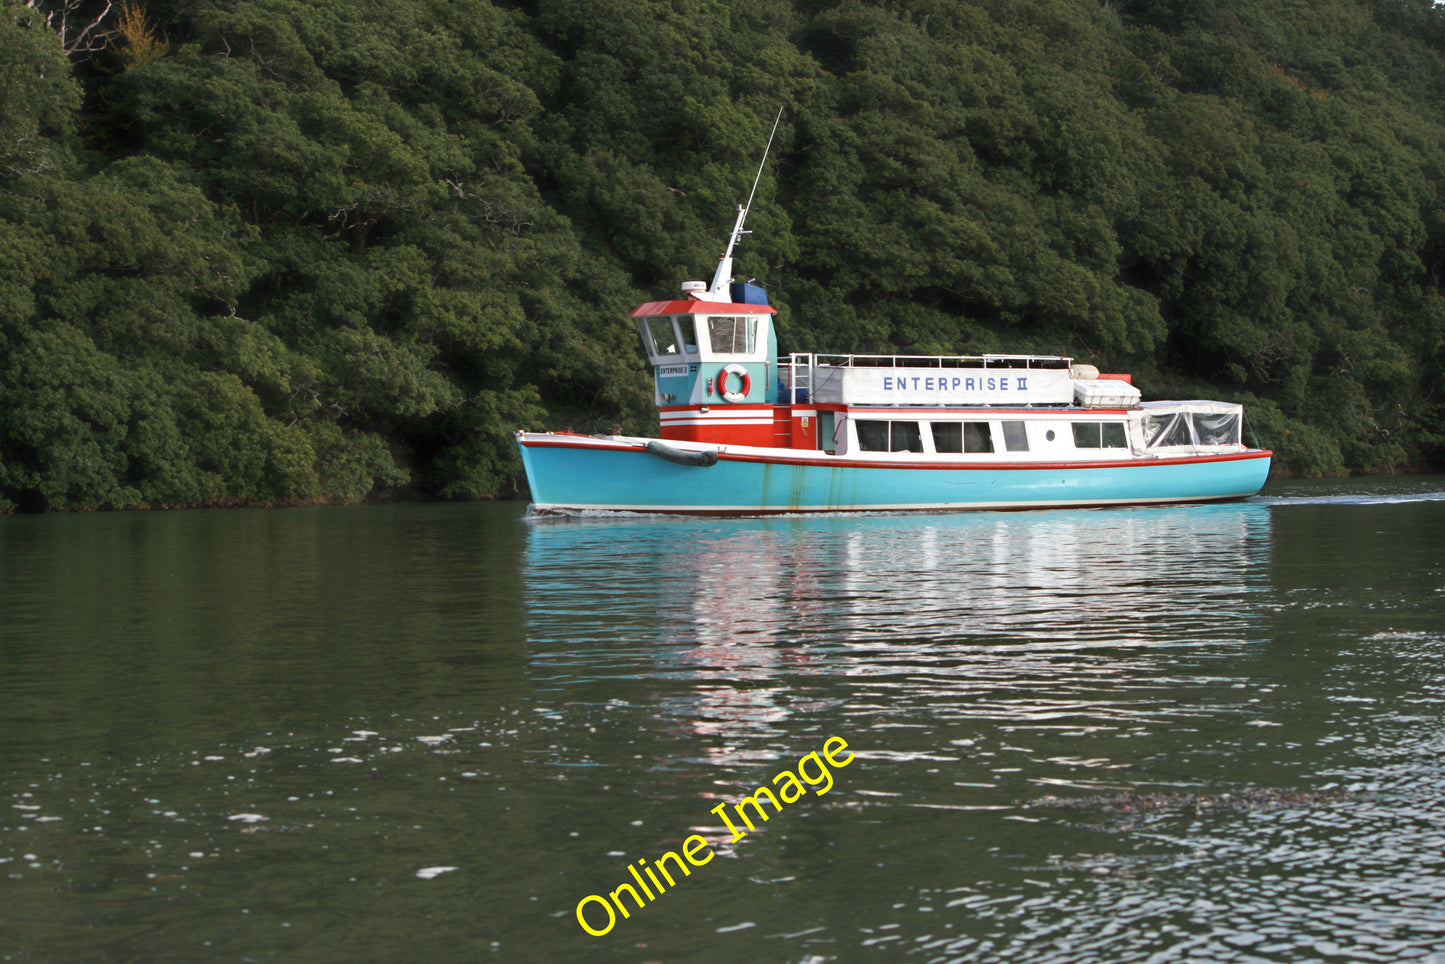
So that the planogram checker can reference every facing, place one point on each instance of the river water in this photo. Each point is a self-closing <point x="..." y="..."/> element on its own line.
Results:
<point x="427" y="732"/>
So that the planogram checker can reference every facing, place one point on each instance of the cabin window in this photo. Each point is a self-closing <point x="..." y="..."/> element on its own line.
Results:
<point x="876" y="435"/>
<point x="953" y="437"/>
<point x="731" y="336"/>
<point x="1216" y="429"/>
<point x="905" y="437"/>
<point x="872" y="435"/>
<point x="1100" y="435"/>
<point x="661" y="336"/>
<point x="1015" y="437"/>
<point x="947" y="437"/>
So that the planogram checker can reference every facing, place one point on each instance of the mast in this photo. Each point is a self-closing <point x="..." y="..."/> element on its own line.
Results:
<point x="724" y="275"/>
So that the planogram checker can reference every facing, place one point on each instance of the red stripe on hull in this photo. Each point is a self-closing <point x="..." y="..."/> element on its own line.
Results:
<point x="954" y="466"/>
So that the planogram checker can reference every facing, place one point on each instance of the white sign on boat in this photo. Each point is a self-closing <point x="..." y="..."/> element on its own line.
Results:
<point x="862" y="381"/>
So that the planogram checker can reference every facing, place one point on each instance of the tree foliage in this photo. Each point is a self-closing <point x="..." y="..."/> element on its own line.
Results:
<point x="275" y="251"/>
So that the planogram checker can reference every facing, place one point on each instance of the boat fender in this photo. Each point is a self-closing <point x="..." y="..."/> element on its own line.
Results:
<point x="664" y="451"/>
<point x="722" y="383"/>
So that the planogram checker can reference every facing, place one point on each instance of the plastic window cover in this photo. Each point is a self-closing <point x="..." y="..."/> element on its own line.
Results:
<point x="1211" y="408"/>
<point x="1198" y="423"/>
<point x="1170" y="429"/>
<point x="1220" y="429"/>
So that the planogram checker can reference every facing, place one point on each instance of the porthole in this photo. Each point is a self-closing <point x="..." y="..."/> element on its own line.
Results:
<point x="1049" y="435"/>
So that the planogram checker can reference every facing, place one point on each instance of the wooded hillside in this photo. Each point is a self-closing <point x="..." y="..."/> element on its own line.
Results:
<point x="267" y="251"/>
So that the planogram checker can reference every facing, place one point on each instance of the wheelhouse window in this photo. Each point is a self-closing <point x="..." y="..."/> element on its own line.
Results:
<point x="877" y="435"/>
<point x="731" y="335"/>
<point x="1100" y="435"/>
<point x="1015" y="437"/>
<point x="662" y="336"/>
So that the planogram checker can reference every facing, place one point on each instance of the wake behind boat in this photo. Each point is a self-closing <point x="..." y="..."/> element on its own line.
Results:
<point x="744" y="432"/>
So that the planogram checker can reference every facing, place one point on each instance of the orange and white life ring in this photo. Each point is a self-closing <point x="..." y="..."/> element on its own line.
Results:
<point x="722" y="383"/>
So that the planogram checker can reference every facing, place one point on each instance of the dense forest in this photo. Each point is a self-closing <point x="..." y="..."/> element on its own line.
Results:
<point x="269" y="251"/>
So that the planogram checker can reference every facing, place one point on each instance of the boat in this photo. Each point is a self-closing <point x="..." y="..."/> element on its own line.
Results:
<point x="745" y="431"/>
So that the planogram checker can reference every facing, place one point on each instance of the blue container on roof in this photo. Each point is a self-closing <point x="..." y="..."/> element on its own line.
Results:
<point x="745" y="293"/>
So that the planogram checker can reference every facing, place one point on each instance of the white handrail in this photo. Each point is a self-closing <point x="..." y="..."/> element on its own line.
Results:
<point x="929" y="361"/>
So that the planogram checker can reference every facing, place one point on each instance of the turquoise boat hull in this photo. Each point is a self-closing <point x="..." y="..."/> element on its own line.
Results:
<point x="572" y="474"/>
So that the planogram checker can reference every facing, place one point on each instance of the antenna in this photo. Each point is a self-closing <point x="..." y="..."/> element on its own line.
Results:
<point x="725" y="265"/>
<point x="769" y="147"/>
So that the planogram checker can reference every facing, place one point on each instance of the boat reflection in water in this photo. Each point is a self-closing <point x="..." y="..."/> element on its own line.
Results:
<point x="745" y="622"/>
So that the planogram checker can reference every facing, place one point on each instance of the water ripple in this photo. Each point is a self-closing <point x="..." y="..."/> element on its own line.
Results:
<point x="979" y="663"/>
